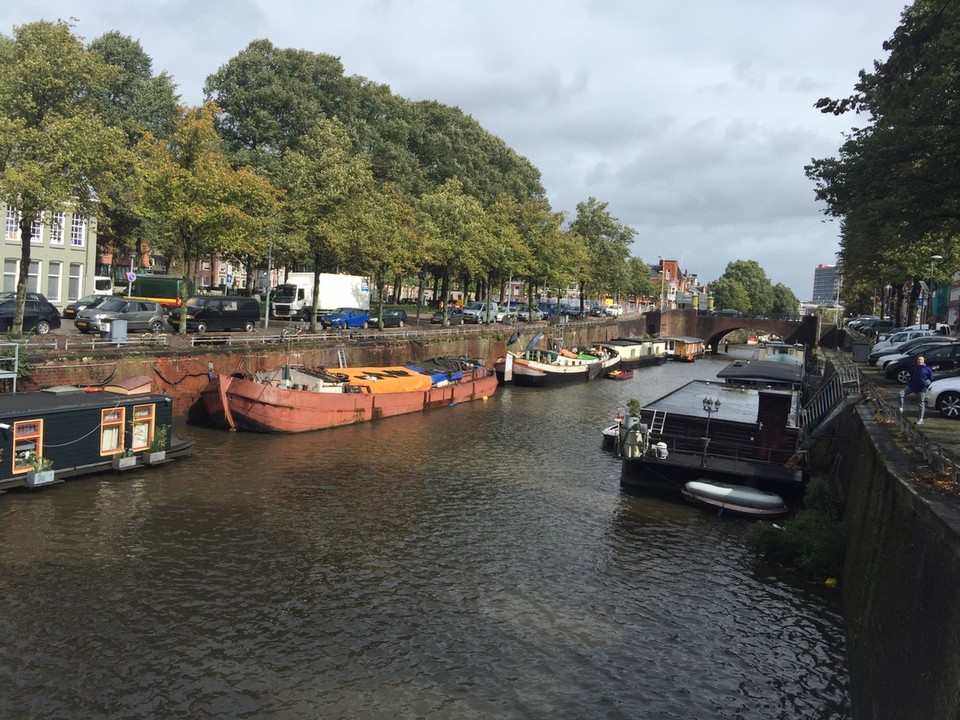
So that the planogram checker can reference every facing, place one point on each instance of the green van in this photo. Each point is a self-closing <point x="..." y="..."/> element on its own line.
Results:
<point x="168" y="290"/>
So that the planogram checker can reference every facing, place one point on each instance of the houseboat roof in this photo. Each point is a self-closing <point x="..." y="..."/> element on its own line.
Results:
<point x="64" y="398"/>
<point x="627" y="342"/>
<point x="683" y="338"/>
<point x="758" y="372"/>
<point x="737" y="403"/>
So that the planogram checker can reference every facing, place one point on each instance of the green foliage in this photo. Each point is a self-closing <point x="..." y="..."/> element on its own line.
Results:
<point x="811" y="540"/>
<point x="785" y="303"/>
<point x="159" y="441"/>
<point x="729" y="294"/>
<point x="634" y="407"/>
<point x="755" y="283"/>
<point x="893" y="182"/>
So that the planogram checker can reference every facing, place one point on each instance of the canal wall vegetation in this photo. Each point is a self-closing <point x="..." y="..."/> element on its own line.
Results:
<point x="901" y="577"/>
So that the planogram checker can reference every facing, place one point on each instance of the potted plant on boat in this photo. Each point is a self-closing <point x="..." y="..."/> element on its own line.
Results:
<point x="41" y="472"/>
<point x="633" y="413"/>
<point x="124" y="460"/>
<point x="157" y="451"/>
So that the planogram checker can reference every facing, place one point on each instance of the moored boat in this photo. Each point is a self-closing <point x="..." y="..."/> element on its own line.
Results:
<point x="293" y="400"/>
<point x="47" y="436"/>
<point x="536" y="367"/>
<point x="737" y="499"/>
<point x="620" y="374"/>
<point x="638" y="352"/>
<point x="684" y="348"/>
<point x="722" y="433"/>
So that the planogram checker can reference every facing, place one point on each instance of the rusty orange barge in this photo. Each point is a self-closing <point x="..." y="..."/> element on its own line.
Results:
<point x="292" y="400"/>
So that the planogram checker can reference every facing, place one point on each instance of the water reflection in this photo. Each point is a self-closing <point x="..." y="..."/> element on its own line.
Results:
<point x="475" y="561"/>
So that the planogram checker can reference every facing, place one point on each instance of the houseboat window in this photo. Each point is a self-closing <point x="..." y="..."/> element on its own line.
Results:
<point x="111" y="430"/>
<point x="143" y="417"/>
<point x="27" y="443"/>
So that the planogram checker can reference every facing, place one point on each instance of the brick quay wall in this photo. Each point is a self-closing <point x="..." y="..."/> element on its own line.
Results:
<point x="182" y="371"/>
<point x="901" y="577"/>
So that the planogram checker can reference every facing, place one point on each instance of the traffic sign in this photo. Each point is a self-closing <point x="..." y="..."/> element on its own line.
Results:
<point x="131" y="276"/>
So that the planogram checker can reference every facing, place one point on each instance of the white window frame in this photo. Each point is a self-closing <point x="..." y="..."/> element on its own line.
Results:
<point x="78" y="231"/>
<point x="11" y="271"/>
<point x="54" y="281"/>
<point x="56" y="228"/>
<point x="13" y="224"/>
<point x="33" y="276"/>
<point x="75" y="281"/>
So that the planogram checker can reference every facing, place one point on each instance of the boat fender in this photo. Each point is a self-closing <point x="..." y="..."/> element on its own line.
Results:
<point x="632" y="447"/>
<point x="661" y="450"/>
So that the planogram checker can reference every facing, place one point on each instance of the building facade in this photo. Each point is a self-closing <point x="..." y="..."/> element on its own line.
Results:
<point x="63" y="255"/>
<point x="825" y="285"/>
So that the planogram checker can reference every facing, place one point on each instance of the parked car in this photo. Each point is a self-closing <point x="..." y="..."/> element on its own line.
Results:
<point x="343" y="318"/>
<point x="480" y="311"/>
<point x="912" y="347"/>
<point x="71" y="310"/>
<point x="944" y="396"/>
<point x="614" y="310"/>
<point x="893" y="343"/>
<point x="597" y="311"/>
<point x="392" y="317"/>
<point x="872" y="328"/>
<point x="507" y="316"/>
<point x="525" y="314"/>
<point x="218" y="313"/>
<point x="454" y="314"/>
<point x="39" y="314"/>
<point x="943" y="358"/>
<point x="141" y="315"/>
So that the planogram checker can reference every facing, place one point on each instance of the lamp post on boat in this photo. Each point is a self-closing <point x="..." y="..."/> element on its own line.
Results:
<point x="710" y="406"/>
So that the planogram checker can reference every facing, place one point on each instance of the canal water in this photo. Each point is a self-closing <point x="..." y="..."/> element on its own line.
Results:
<point x="476" y="561"/>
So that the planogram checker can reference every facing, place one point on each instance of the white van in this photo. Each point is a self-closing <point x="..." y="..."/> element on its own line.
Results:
<point x="480" y="311"/>
<point x="102" y="285"/>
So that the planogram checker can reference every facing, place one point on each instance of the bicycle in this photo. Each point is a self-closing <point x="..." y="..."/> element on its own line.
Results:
<point x="298" y="329"/>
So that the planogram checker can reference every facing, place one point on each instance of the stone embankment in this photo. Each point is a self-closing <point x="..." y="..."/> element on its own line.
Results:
<point x="901" y="576"/>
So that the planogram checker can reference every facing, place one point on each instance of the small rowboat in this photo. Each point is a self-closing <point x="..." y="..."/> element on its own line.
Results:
<point x="738" y="499"/>
<point x="620" y="374"/>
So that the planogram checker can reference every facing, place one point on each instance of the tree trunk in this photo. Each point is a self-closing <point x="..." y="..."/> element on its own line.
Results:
<point x="26" y="234"/>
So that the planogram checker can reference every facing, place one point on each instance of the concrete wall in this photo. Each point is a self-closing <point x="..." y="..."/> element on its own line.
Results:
<point x="901" y="579"/>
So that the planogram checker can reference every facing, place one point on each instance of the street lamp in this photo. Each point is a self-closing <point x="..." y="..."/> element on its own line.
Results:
<point x="710" y="406"/>
<point x="886" y="302"/>
<point x="930" y="299"/>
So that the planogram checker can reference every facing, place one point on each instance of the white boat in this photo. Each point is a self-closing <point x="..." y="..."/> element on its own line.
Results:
<point x="739" y="499"/>
<point x="536" y="367"/>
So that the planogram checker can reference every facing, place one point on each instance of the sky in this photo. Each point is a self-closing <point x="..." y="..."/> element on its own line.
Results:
<point x="693" y="120"/>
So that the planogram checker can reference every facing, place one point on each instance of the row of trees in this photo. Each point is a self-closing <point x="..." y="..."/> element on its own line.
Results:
<point x="894" y="184"/>
<point x="744" y="286"/>
<point x="290" y="156"/>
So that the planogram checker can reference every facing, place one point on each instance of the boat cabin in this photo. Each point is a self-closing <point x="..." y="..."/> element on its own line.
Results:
<point x="685" y="349"/>
<point x="74" y="431"/>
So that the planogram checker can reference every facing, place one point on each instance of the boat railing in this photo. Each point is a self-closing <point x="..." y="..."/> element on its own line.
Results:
<point x="715" y="448"/>
<point x="842" y="384"/>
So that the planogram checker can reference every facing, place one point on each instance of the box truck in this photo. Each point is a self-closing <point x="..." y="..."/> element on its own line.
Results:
<point x="293" y="299"/>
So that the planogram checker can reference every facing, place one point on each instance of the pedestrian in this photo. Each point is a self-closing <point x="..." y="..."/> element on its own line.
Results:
<point x="920" y="378"/>
<point x="726" y="346"/>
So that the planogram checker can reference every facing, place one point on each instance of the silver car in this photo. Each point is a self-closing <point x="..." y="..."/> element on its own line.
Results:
<point x="141" y="315"/>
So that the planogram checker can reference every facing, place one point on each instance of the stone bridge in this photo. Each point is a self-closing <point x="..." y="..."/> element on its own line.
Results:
<point x="808" y="330"/>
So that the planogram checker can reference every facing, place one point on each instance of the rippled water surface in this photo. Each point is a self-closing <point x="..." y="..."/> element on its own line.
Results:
<point x="477" y="561"/>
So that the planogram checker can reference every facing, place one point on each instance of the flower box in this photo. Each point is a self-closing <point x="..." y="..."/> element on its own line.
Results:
<point x="154" y="458"/>
<point x="42" y="477"/>
<point x="124" y="462"/>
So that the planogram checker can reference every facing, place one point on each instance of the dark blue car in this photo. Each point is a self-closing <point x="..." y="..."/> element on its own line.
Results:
<point x="343" y="318"/>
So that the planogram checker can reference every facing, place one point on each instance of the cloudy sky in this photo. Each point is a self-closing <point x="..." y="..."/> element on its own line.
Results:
<point x="693" y="120"/>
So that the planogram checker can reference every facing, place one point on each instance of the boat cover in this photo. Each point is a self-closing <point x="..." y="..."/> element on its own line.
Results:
<point x="386" y="379"/>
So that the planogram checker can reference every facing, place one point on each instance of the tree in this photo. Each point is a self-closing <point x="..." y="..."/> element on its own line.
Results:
<point x="895" y="182"/>
<point x="195" y="204"/>
<point x="329" y="190"/>
<point x="138" y="102"/>
<point x="608" y="247"/>
<point x="56" y="149"/>
<point x="785" y="303"/>
<point x="638" y="282"/>
<point x="730" y="294"/>
<point x="754" y="281"/>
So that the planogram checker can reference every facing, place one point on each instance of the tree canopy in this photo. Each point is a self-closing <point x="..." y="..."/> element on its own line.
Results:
<point x="894" y="182"/>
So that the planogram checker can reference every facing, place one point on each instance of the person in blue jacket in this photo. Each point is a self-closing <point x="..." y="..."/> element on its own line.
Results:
<point x="920" y="378"/>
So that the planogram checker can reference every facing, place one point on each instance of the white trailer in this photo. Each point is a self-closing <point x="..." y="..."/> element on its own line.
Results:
<point x="293" y="298"/>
